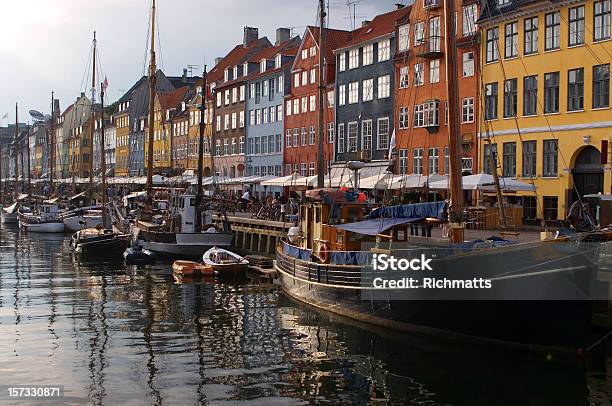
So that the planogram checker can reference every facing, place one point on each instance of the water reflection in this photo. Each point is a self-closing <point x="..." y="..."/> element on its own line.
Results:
<point x="119" y="335"/>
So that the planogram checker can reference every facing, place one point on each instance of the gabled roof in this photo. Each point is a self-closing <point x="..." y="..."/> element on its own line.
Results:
<point x="333" y="39"/>
<point x="270" y="52"/>
<point x="236" y="56"/>
<point x="381" y="25"/>
<point x="172" y="99"/>
<point x="489" y="8"/>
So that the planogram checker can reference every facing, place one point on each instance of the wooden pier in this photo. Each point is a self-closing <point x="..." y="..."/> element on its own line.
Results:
<point x="254" y="235"/>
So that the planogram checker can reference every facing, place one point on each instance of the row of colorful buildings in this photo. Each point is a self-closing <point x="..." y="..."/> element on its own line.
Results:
<point x="534" y="90"/>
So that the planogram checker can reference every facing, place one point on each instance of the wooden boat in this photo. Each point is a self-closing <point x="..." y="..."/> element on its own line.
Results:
<point x="99" y="242"/>
<point x="191" y="269"/>
<point x="9" y="214"/>
<point x="225" y="262"/>
<point x="46" y="220"/>
<point x="79" y="219"/>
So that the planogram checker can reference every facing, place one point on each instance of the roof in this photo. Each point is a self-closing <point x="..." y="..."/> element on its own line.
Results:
<point x="270" y="52"/>
<point x="381" y="25"/>
<point x="333" y="39"/>
<point x="489" y="8"/>
<point x="258" y="75"/>
<point x="172" y="99"/>
<point x="236" y="56"/>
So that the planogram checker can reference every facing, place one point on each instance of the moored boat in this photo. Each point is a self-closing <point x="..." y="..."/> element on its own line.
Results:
<point x="79" y="219"/>
<point x="225" y="262"/>
<point x="45" y="220"/>
<point x="138" y="256"/>
<point x="100" y="242"/>
<point x="9" y="214"/>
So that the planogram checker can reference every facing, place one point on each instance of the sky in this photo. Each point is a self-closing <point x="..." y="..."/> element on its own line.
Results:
<point x="45" y="45"/>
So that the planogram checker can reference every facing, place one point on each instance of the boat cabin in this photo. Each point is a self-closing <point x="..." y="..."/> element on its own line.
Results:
<point x="49" y="211"/>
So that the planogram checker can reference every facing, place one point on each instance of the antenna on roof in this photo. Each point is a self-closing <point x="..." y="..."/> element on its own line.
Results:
<point x="191" y="68"/>
<point x="352" y="6"/>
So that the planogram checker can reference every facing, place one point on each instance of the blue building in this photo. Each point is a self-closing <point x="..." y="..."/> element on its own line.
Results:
<point x="266" y="89"/>
<point x="365" y="82"/>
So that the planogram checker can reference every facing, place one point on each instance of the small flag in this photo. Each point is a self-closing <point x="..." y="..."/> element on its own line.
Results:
<point x="105" y="84"/>
<point x="392" y="145"/>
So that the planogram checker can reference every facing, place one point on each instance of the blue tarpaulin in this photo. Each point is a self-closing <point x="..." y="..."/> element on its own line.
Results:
<point x="418" y="210"/>
<point x="375" y="226"/>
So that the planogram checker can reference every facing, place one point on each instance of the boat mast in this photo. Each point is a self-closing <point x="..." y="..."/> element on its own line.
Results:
<point x="320" y="157"/>
<point x="103" y="157"/>
<point x="29" y="169"/>
<point x="455" y="181"/>
<point x="50" y="149"/>
<point x="152" y="80"/>
<point x="493" y="166"/>
<point x="16" y="151"/>
<point x="93" y="120"/>
<point x="201" y="154"/>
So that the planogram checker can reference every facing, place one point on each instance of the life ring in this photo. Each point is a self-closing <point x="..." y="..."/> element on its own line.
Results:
<point x="324" y="252"/>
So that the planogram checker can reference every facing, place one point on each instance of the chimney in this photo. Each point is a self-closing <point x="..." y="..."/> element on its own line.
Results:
<point x="184" y="78"/>
<point x="282" y="34"/>
<point x="399" y="6"/>
<point x="365" y="22"/>
<point x="250" y="34"/>
<point x="218" y="60"/>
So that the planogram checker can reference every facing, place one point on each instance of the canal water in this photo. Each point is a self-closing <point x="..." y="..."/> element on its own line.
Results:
<point x="125" y="336"/>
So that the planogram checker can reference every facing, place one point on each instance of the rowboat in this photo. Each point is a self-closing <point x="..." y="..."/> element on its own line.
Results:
<point x="225" y="262"/>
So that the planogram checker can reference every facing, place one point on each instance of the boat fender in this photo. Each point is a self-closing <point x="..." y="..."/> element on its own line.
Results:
<point x="324" y="252"/>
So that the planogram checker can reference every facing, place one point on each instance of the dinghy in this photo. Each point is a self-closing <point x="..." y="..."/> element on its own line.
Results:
<point x="225" y="262"/>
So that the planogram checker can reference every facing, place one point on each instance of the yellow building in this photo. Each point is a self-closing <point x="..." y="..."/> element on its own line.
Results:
<point x="546" y="99"/>
<point x="122" y="148"/>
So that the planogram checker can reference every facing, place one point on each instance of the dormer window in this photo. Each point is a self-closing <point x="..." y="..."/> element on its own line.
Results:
<point x="501" y="3"/>
<point x="235" y="72"/>
<point x="225" y="75"/>
<point x="245" y="69"/>
<point x="262" y="65"/>
<point x="183" y="106"/>
<point x="167" y="115"/>
<point x="278" y="60"/>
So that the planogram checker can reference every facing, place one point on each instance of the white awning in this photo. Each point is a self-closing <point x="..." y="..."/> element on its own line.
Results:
<point x="290" y="180"/>
<point x="484" y="181"/>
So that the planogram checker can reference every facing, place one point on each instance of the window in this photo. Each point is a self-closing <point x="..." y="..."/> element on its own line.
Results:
<point x="434" y="34"/>
<point x="234" y="121"/>
<point x="551" y="92"/>
<point x="403" y="161"/>
<point x="279" y="113"/>
<point x="235" y="95"/>
<point x="576" y="26"/>
<point x="304" y="135"/>
<point x="550" y="158"/>
<point x="341" y="95"/>
<point x="280" y="87"/>
<point x="384" y="50"/>
<point x="467" y="110"/>
<point x="511" y="40"/>
<point x="353" y="96"/>
<point x="503" y="2"/>
<point x="419" y="80"/>
<point x="312" y="101"/>
<point x="404" y="38"/>
<point x="426" y="114"/>
<point x="550" y="207"/>
<point x="330" y="132"/>
<point x="490" y="157"/>
<point x="531" y="36"/>
<point x="313" y="76"/>
<point x="313" y="51"/>
<point x="404" y="77"/>
<point x="509" y="168"/>
<point x="384" y="86"/>
<point x="304" y="104"/>
<point x="264" y="114"/>
<point x="305" y="53"/>
<point x="446" y="160"/>
<point x="366" y="135"/>
<point x="241" y="119"/>
<point x="368" y="54"/>
<point x="468" y="64"/>
<point x="434" y="71"/>
<point x="266" y="88"/>
<point x="303" y="169"/>
<point x="601" y="20"/>
<point x="383" y="133"/>
<point x="340" y="138"/>
<point x="287" y="139"/>
<point x="312" y="135"/>
<point x="331" y="99"/>
<point x="304" y="78"/>
<point x="470" y="15"/>
<point x="552" y="31"/>
<point x="352" y="137"/>
<point x="419" y="33"/>
<point x="434" y="157"/>
<point x="417" y="161"/>
<point x="227" y="97"/>
<point x="601" y="86"/>
<point x="529" y="158"/>
<point x="530" y="95"/>
<point x="226" y="122"/>
<point x="510" y="98"/>
<point x="218" y="125"/>
<point x="353" y="58"/>
<point x="258" y="117"/>
<point x="296" y="137"/>
<point x="368" y="90"/>
<point x="296" y="80"/>
<point x="342" y="62"/>
<point x="296" y="106"/>
<point x="287" y="169"/>
<point x="403" y="117"/>
<point x="490" y="101"/>
<point x="492" y="44"/>
<point x="575" y="89"/>
<point x="311" y="169"/>
<point x="242" y="91"/>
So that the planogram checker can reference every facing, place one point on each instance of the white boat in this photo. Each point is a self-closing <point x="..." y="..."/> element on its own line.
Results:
<point x="46" y="220"/>
<point x="225" y="262"/>
<point x="80" y="219"/>
<point x="9" y="214"/>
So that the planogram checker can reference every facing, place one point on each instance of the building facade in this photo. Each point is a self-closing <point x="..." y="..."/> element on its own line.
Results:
<point x="546" y="99"/>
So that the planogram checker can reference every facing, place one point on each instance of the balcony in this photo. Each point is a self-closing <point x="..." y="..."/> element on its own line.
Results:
<point x="430" y="47"/>
<point x="431" y="4"/>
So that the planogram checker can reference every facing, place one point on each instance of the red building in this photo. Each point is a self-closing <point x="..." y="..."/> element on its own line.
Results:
<point x="302" y="105"/>
<point x="420" y="94"/>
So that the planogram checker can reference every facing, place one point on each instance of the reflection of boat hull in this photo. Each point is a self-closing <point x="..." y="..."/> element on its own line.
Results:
<point x="529" y="324"/>
<point x="184" y="245"/>
<point x="76" y="223"/>
<point x="9" y="218"/>
<point x="42" y="227"/>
